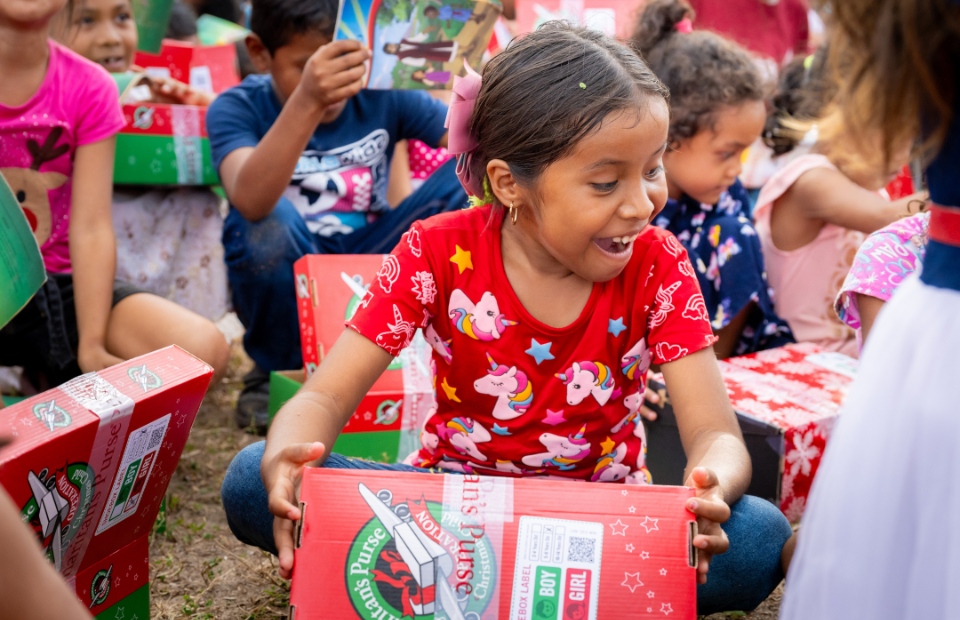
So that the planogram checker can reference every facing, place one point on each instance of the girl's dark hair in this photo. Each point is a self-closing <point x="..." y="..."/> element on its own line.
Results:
<point x="703" y="71"/>
<point x="804" y="91"/>
<point x="547" y="91"/>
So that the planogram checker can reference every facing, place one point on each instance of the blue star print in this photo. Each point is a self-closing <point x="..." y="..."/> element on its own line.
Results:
<point x="501" y="430"/>
<point x="539" y="351"/>
<point x="616" y="327"/>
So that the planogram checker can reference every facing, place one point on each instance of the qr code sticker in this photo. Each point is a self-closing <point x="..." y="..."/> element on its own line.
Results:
<point x="156" y="438"/>
<point x="581" y="549"/>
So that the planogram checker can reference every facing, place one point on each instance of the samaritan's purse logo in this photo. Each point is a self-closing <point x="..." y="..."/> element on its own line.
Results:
<point x="146" y="379"/>
<point x="58" y="506"/>
<point x="52" y="415"/>
<point x="100" y="587"/>
<point x="415" y="560"/>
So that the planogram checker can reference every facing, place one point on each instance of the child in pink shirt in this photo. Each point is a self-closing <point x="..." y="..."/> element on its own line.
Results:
<point x="59" y="114"/>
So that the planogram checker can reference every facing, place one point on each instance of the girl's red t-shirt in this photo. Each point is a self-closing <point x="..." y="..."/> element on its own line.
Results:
<point x="516" y="396"/>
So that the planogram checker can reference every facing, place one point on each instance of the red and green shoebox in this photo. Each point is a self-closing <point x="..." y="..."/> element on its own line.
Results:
<point x="91" y="459"/>
<point x="385" y="426"/>
<point x="787" y="401"/>
<point x="118" y="586"/>
<point x="392" y="545"/>
<point x="161" y="144"/>
<point x="209" y="68"/>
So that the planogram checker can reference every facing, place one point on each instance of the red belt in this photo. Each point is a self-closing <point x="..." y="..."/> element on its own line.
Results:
<point x="945" y="225"/>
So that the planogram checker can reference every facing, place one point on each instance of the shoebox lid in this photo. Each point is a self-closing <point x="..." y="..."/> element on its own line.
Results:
<point x="91" y="459"/>
<point x="119" y="581"/>
<point x="383" y="545"/>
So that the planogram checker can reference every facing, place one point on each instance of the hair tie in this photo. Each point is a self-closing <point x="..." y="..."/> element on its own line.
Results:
<point x="684" y="26"/>
<point x="460" y="142"/>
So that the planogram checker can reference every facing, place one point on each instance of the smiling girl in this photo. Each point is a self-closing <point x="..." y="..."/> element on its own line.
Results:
<point x="549" y="303"/>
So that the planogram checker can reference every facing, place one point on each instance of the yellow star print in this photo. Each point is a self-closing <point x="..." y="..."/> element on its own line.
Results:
<point x="451" y="392"/>
<point x="607" y="446"/>
<point x="462" y="259"/>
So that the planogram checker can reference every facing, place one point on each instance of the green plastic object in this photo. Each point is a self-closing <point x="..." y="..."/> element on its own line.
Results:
<point x="152" y="18"/>
<point x="21" y="266"/>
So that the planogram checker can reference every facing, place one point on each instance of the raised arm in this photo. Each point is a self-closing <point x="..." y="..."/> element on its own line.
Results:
<point x="306" y="428"/>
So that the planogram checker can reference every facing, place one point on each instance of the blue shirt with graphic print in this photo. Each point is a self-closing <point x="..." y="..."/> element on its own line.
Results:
<point x="725" y="252"/>
<point x="340" y="182"/>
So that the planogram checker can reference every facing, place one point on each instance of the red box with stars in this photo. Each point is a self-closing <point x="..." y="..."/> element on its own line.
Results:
<point x="118" y="586"/>
<point x="330" y="289"/>
<point x="392" y="545"/>
<point x="91" y="459"/>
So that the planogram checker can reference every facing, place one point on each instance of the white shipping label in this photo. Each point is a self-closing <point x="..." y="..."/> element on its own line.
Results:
<point x="139" y="457"/>
<point x="557" y="574"/>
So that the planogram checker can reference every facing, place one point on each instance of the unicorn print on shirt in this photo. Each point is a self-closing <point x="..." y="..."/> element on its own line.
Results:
<point x="441" y="346"/>
<point x="464" y="434"/>
<point x="562" y="452"/>
<point x="632" y="402"/>
<point x="513" y="390"/>
<point x="480" y="321"/>
<point x="610" y="467"/>
<point x="637" y="361"/>
<point x="399" y="334"/>
<point x="588" y="379"/>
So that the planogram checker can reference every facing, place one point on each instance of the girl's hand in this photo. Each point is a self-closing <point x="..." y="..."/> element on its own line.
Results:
<point x="93" y="358"/>
<point x="711" y="511"/>
<point x="169" y="90"/>
<point x="281" y="477"/>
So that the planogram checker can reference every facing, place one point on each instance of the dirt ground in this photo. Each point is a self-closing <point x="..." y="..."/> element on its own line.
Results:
<point x="198" y="569"/>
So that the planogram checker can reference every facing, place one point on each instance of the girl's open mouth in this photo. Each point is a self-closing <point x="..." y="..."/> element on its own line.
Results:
<point x="616" y="246"/>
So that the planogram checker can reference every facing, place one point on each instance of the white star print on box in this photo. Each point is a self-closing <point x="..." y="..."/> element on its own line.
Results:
<point x="632" y="581"/>
<point x="632" y="509"/>
<point x="666" y="609"/>
<point x="663" y="572"/>
<point x="650" y="594"/>
<point x="647" y="521"/>
<point x="622" y="527"/>
<point x="119" y="613"/>
<point x="644" y="555"/>
<point x="623" y="492"/>
<point x="630" y="548"/>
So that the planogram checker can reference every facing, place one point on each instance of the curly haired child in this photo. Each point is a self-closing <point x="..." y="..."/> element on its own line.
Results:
<point x="716" y="112"/>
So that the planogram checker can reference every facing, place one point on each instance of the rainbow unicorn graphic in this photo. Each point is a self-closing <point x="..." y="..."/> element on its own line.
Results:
<point x="633" y="403"/>
<point x="482" y="321"/>
<point x="562" y="452"/>
<point x="464" y="434"/>
<point x="637" y="361"/>
<point x="610" y="467"/>
<point x="588" y="378"/>
<point x="513" y="390"/>
<point x="441" y="346"/>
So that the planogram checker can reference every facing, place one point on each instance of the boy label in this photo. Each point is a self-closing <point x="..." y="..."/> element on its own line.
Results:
<point x="557" y="575"/>
<point x="134" y="471"/>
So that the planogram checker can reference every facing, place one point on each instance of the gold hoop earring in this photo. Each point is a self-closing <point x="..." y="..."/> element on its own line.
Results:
<point x="513" y="213"/>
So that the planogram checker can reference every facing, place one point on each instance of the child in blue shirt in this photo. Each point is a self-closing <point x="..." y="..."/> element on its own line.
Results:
<point x="303" y="154"/>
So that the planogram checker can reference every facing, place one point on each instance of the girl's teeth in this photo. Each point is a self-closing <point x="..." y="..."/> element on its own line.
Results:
<point x="617" y="239"/>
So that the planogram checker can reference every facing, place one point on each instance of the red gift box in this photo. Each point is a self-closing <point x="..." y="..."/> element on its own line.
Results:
<point x="208" y="68"/>
<point x="389" y="545"/>
<point x="118" y="586"/>
<point x="787" y="401"/>
<point x="91" y="459"/>
<point x="330" y="289"/>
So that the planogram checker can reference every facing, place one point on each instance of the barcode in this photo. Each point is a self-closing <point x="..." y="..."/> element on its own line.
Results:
<point x="581" y="549"/>
<point x="156" y="438"/>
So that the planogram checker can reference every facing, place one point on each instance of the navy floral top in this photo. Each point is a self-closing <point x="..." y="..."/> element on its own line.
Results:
<point x="724" y="248"/>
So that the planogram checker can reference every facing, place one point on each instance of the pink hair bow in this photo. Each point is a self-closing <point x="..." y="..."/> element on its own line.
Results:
<point x="461" y="142"/>
<point x="684" y="26"/>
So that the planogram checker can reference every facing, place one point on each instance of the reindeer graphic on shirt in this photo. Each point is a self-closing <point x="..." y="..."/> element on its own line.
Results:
<point x="30" y="185"/>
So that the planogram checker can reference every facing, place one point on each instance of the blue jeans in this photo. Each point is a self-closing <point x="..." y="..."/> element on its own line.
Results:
<point x="260" y="256"/>
<point x="739" y="580"/>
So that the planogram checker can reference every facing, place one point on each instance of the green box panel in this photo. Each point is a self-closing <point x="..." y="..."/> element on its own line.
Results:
<point x="136" y="605"/>
<point x="152" y="160"/>
<point x="381" y="446"/>
<point x="282" y="389"/>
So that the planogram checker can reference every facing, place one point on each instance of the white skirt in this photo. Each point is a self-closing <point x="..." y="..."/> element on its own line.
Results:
<point x="879" y="538"/>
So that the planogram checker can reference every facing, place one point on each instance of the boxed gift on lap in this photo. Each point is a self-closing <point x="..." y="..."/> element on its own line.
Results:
<point x="389" y="545"/>
<point x="786" y="400"/>
<point x="161" y="144"/>
<point x="211" y="69"/>
<point x="118" y="586"/>
<point x="91" y="459"/>
<point x="330" y="289"/>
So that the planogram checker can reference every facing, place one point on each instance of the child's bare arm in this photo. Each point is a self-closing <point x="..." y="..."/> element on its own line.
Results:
<point x="254" y="178"/>
<point x="868" y="307"/>
<point x="93" y="251"/>
<point x="828" y="195"/>
<point x="718" y="465"/>
<point x="306" y="428"/>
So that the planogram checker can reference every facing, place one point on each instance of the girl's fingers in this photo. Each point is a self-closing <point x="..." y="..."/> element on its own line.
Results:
<point x="648" y="413"/>
<point x="302" y="453"/>
<point x="713" y="545"/>
<point x="713" y="510"/>
<point x="281" y="498"/>
<point x="283" y="538"/>
<point x="703" y="477"/>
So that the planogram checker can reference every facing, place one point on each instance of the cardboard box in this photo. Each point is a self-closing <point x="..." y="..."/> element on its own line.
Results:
<point x="91" y="459"/>
<point x="209" y="68"/>
<point x="786" y="400"/>
<point x="161" y="144"/>
<point x="329" y="291"/>
<point x="118" y="586"/>
<point x="389" y="545"/>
